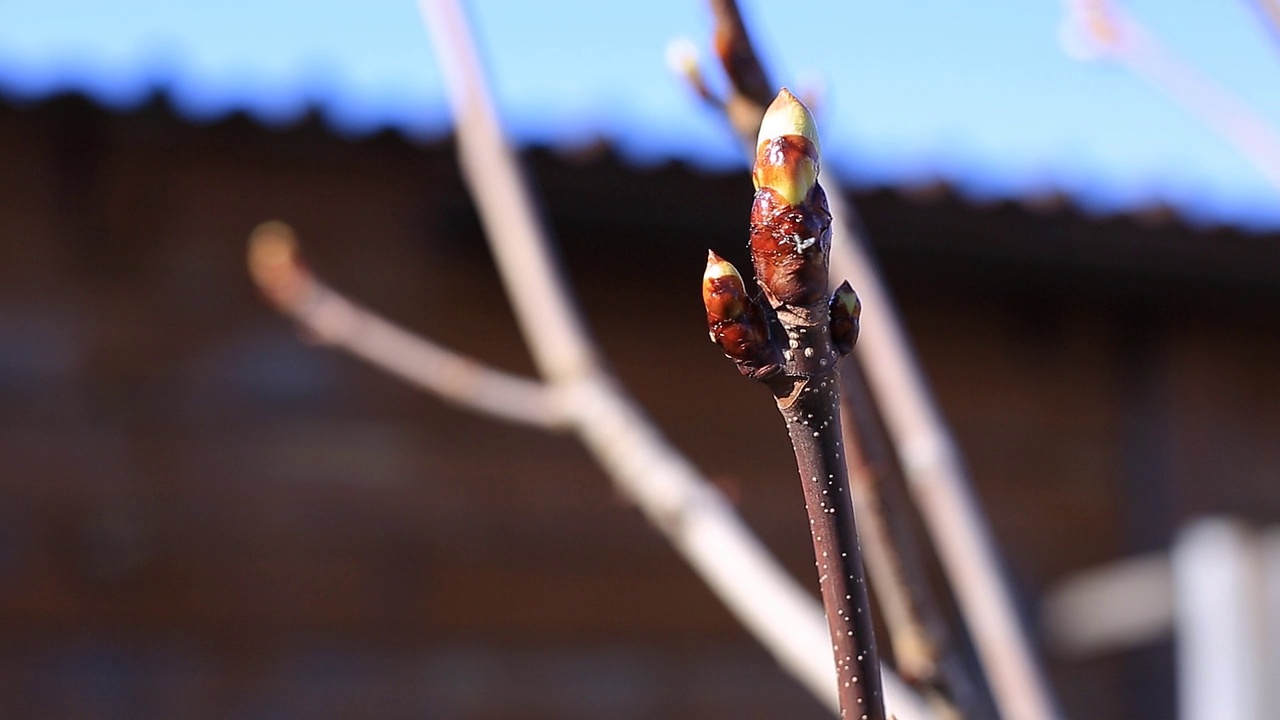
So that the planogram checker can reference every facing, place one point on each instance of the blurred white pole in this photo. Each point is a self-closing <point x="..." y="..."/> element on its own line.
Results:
<point x="1096" y="28"/>
<point x="1111" y="608"/>
<point x="1269" y="550"/>
<point x="1219" y="629"/>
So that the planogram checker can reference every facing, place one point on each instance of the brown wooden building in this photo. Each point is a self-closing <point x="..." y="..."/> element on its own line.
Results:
<point x="203" y="516"/>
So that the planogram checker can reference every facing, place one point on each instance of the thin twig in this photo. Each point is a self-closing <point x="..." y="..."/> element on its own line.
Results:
<point x="331" y="319"/>
<point x="682" y="58"/>
<point x="915" y="652"/>
<point x="936" y="475"/>
<point x="1126" y="41"/>
<point x="695" y="517"/>
<point x="914" y="647"/>
<point x="812" y="415"/>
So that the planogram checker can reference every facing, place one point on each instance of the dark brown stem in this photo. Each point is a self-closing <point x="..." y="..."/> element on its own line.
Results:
<point x="750" y="90"/>
<point x="811" y="410"/>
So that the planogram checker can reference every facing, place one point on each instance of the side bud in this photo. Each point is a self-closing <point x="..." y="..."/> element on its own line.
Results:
<point x="845" y="311"/>
<point x="790" y="222"/>
<point x="734" y="322"/>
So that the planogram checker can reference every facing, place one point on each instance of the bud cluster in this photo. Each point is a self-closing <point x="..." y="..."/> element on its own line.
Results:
<point x="790" y="247"/>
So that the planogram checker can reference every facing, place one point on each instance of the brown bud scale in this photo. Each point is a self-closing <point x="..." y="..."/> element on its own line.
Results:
<point x="786" y="163"/>
<point x="790" y="247"/>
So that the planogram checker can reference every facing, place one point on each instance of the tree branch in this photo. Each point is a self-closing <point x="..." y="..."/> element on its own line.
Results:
<point x="940" y="484"/>
<point x="933" y="468"/>
<point x="333" y="320"/>
<point x="694" y="516"/>
<point x="792" y="343"/>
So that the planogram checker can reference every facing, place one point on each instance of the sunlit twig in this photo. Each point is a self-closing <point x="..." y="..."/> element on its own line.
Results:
<point x="331" y="319"/>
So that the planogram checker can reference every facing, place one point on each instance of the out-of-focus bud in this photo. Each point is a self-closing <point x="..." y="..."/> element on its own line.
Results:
<point x="787" y="150"/>
<point x="723" y="291"/>
<point x="274" y="264"/>
<point x="733" y="46"/>
<point x="734" y="322"/>
<point x="682" y="57"/>
<point x="845" y="311"/>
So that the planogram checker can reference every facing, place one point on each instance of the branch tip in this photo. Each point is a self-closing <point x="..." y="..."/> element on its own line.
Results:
<point x="738" y="56"/>
<point x="274" y="264"/>
<point x="723" y="291"/>
<point x="790" y="220"/>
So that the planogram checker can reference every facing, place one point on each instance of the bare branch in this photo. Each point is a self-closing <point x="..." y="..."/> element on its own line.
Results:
<point x="936" y="474"/>
<point x="518" y="236"/>
<point x="918" y="630"/>
<point x="914" y="645"/>
<point x="682" y="58"/>
<point x="333" y="320"/>
<point x="738" y="55"/>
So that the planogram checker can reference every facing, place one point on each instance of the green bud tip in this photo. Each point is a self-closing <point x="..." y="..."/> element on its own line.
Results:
<point x="788" y="116"/>
<point x="718" y="267"/>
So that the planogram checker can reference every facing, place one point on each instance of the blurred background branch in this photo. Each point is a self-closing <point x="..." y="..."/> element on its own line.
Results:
<point x="1119" y="37"/>
<point x="331" y="319"/>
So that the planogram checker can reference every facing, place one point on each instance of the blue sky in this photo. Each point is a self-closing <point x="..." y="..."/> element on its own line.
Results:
<point x="979" y="93"/>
